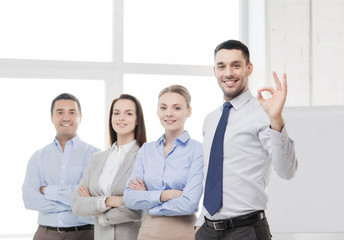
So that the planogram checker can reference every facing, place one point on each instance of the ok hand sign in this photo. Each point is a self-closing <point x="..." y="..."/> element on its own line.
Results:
<point x="273" y="106"/>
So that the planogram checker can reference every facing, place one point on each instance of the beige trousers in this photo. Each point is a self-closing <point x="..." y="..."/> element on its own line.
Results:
<point x="167" y="228"/>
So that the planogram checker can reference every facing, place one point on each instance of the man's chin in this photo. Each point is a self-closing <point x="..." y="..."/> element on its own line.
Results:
<point x="66" y="135"/>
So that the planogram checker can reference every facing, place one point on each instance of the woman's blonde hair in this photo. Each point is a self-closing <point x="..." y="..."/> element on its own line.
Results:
<point x="180" y="90"/>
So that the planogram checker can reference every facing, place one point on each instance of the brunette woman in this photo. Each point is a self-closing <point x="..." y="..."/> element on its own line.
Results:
<point x="101" y="188"/>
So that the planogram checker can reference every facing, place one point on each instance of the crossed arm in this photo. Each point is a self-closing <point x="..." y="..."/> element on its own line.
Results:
<point x="165" y="196"/>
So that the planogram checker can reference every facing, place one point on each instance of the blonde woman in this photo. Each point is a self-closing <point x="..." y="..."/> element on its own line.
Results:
<point x="167" y="177"/>
<point x="101" y="187"/>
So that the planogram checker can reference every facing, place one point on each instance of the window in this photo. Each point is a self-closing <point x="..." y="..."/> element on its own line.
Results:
<point x="75" y="30"/>
<point x="178" y="31"/>
<point x="173" y="42"/>
<point x="205" y="96"/>
<point x="86" y="48"/>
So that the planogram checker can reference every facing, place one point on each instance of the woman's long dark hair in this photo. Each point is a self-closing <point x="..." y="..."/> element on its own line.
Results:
<point x="140" y="129"/>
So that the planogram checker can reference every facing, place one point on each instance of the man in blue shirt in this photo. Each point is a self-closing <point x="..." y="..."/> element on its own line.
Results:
<point x="53" y="174"/>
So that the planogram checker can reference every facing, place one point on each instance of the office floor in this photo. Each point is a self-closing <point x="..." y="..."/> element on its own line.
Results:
<point x="308" y="236"/>
<point x="276" y="236"/>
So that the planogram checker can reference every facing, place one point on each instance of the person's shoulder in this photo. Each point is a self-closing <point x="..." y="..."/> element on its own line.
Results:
<point x="254" y="102"/>
<point x="47" y="147"/>
<point x="100" y="154"/>
<point x="196" y="146"/>
<point x="42" y="152"/>
<point x="255" y="109"/>
<point x="195" y="143"/>
<point x="88" y="146"/>
<point x="148" y="145"/>
<point x="214" y="114"/>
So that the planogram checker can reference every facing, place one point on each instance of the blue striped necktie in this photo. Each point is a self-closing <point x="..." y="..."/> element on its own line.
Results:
<point x="213" y="185"/>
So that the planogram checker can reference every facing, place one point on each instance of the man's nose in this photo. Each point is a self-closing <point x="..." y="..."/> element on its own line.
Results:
<point x="66" y="116"/>
<point x="228" y="72"/>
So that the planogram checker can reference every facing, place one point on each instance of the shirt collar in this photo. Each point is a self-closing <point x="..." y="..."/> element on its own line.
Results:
<point x="74" y="142"/>
<point x="125" y="147"/>
<point x="241" y="100"/>
<point x="183" y="138"/>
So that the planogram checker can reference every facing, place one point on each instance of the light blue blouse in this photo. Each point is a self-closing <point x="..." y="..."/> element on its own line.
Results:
<point x="181" y="169"/>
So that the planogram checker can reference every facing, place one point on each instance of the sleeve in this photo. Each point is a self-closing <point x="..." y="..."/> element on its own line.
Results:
<point x="200" y="220"/>
<point x="88" y="206"/>
<point x="60" y="194"/>
<point x="65" y="194"/>
<point x="119" y="215"/>
<point x="188" y="202"/>
<point x="282" y="151"/>
<point x="32" y="197"/>
<point x="140" y="199"/>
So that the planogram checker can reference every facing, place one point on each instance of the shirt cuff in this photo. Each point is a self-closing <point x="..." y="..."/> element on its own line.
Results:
<point x="279" y="137"/>
<point x="102" y="220"/>
<point x="50" y="192"/>
<point x="156" y="211"/>
<point x="200" y="220"/>
<point x="101" y="204"/>
<point x="155" y="197"/>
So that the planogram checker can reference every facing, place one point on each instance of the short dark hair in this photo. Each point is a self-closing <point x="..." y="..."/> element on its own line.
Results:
<point x="140" y="129"/>
<point x="234" y="44"/>
<point x="65" y="96"/>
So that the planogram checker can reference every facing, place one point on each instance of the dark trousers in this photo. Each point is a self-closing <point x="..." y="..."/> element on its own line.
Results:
<point x="258" y="231"/>
<point x="45" y="234"/>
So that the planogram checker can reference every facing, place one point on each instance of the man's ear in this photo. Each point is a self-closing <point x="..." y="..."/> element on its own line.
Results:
<point x="249" y="69"/>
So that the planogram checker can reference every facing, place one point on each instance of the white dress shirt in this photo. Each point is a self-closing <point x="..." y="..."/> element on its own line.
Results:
<point x="250" y="146"/>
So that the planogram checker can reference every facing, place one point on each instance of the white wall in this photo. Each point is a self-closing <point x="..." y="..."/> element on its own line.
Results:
<point x="313" y="200"/>
<point x="306" y="39"/>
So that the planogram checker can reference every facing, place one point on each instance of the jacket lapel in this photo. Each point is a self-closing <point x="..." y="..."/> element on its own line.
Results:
<point x="123" y="169"/>
<point x="99" y="169"/>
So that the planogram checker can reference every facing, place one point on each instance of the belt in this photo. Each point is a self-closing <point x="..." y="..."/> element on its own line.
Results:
<point x="69" y="229"/>
<point x="227" y="224"/>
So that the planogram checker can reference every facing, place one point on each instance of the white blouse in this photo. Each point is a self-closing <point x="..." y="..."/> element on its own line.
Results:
<point x="111" y="166"/>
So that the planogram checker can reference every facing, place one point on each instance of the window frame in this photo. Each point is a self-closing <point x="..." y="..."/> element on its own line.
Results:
<point x="110" y="72"/>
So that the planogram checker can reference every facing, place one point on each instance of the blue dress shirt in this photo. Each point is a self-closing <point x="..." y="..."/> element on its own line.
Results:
<point x="61" y="172"/>
<point x="181" y="169"/>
